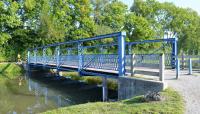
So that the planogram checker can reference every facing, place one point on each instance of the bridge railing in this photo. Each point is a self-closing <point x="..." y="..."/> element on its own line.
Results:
<point x="74" y="54"/>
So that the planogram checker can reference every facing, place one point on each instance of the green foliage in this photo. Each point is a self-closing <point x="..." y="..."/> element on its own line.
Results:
<point x="30" y="23"/>
<point x="10" y="70"/>
<point x="182" y="23"/>
<point x="114" y="15"/>
<point x="173" y="104"/>
<point x="9" y="20"/>
<point x="112" y="84"/>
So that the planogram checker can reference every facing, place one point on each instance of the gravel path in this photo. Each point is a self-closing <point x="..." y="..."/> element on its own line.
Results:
<point x="189" y="87"/>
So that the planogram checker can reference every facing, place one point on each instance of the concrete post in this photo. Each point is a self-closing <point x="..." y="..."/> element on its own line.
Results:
<point x="183" y="61"/>
<point x="190" y="66"/>
<point x="162" y="67"/>
<point x="121" y="53"/>
<point x="104" y="89"/>
<point x="133" y="64"/>
<point x="177" y="68"/>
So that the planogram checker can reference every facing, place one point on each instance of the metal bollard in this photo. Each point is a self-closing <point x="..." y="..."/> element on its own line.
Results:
<point x="190" y="66"/>
<point x="177" y="68"/>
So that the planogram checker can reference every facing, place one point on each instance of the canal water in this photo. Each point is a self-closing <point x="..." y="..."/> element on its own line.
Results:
<point x="38" y="92"/>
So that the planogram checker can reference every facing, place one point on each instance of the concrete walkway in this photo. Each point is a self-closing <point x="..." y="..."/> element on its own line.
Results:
<point x="189" y="87"/>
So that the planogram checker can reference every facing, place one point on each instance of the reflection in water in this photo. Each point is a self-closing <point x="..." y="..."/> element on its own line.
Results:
<point x="40" y="92"/>
<point x="49" y="96"/>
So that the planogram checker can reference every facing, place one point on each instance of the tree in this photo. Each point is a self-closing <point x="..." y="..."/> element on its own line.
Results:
<point x="114" y="15"/>
<point x="162" y="17"/>
<point x="9" y="19"/>
<point x="82" y="22"/>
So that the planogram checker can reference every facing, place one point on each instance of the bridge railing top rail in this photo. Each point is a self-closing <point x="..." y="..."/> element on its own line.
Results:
<point x="83" y="40"/>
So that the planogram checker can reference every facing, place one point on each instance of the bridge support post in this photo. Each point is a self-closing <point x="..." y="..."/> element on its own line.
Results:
<point x="121" y="53"/>
<point x="190" y="66"/>
<point x="104" y="89"/>
<point x="80" y="57"/>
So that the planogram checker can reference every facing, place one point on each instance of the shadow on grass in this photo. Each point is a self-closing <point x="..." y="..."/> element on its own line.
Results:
<point x="2" y="72"/>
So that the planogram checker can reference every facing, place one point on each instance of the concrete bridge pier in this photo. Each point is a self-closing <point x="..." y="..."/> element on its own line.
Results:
<point x="104" y="89"/>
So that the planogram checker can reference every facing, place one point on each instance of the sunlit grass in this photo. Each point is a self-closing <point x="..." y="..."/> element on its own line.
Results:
<point x="95" y="80"/>
<point x="173" y="104"/>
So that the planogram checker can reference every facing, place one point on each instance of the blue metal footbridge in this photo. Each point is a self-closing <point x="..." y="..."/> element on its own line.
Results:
<point x="104" y="55"/>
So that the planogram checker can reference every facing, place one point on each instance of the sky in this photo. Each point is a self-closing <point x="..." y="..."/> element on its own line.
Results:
<point x="194" y="4"/>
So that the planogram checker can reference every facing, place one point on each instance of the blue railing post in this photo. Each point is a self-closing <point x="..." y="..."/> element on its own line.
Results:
<point x="190" y="66"/>
<point x="80" y="57"/>
<point x="121" y="53"/>
<point x="177" y="68"/>
<point x="35" y="56"/>
<point x="57" y="57"/>
<point x="174" y="55"/>
<point x="28" y="57"/>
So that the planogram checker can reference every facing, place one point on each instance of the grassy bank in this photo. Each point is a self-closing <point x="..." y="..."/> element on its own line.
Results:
<point x="91" y="79"/>
<point x="173" y="104"/>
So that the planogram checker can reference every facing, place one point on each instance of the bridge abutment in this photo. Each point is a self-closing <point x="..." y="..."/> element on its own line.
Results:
<point x="129" y="87"/>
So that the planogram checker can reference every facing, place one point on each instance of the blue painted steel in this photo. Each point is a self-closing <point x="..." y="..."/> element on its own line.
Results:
<point x="115" y="63"/>
<point x="83" y="40"/>
<point x="173" y="41"/>
<point x="121" y="54"/>
<point x="102" y="45"/>
<point x="152" y="41"/>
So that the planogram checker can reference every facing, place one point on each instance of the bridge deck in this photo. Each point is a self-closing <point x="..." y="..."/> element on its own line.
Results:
<point x="87" y="71"/>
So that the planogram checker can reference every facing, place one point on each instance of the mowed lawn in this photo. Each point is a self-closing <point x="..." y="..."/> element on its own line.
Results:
<point x="172" y="104"/>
